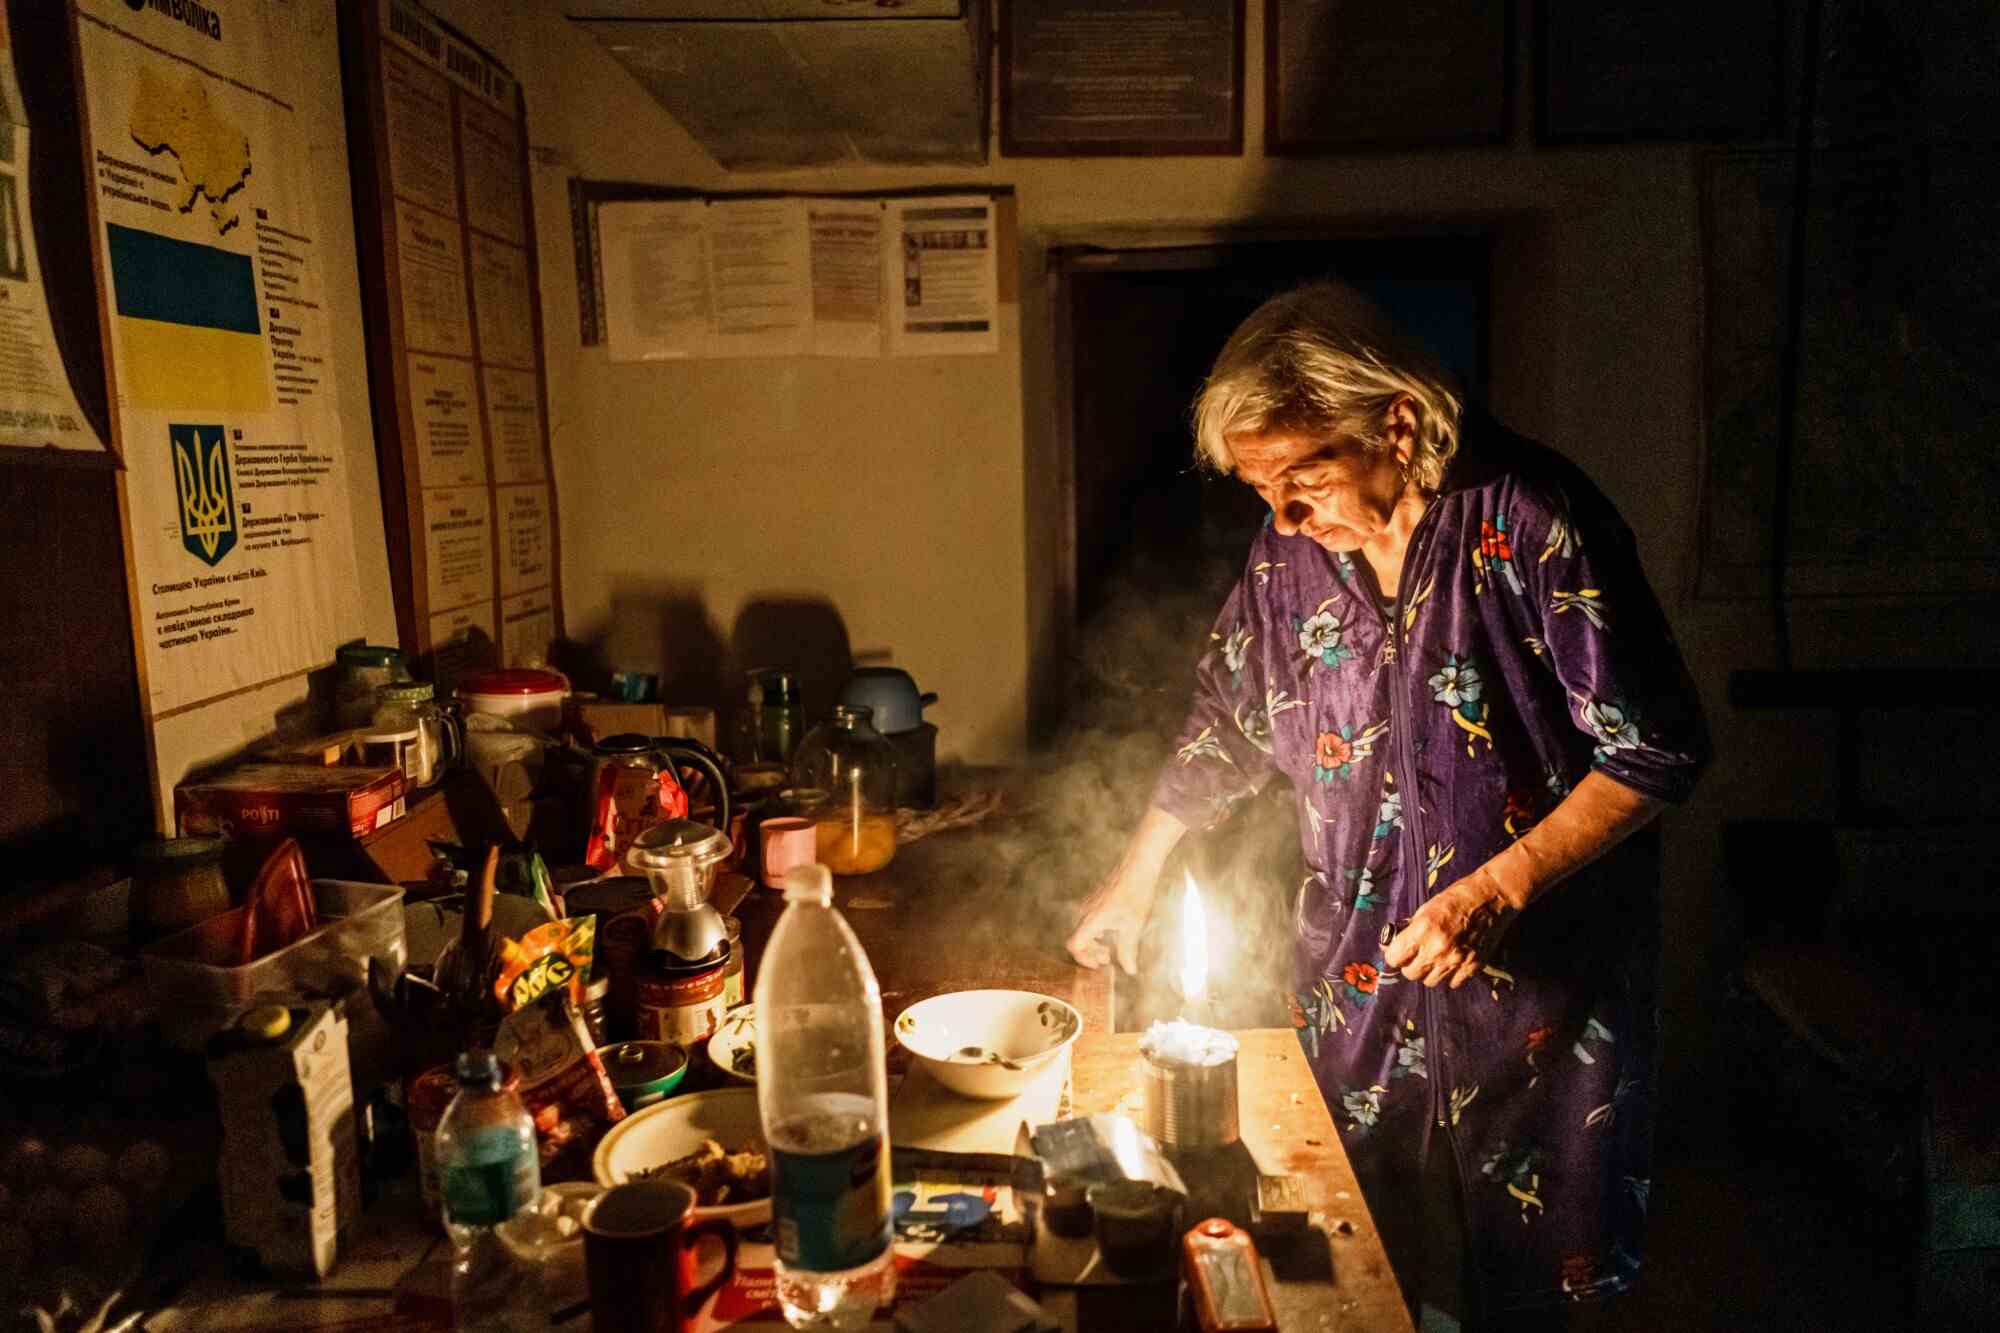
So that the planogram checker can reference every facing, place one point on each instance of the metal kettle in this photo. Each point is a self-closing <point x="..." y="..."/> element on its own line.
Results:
<point x="636" y="783"/>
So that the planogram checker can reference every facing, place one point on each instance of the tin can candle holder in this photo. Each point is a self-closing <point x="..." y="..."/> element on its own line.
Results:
<point x="1190" y="1086"/>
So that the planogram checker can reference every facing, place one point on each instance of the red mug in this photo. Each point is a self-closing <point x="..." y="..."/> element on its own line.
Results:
<point x="637" y="1246"/>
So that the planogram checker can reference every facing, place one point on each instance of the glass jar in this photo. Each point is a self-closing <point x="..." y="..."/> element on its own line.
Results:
<point x="773" y="721"/>
<point x="403" y="708"/>
<point x="855" y="765"/>
<point x="364" y="669"/>
<point x="176" y="883"/>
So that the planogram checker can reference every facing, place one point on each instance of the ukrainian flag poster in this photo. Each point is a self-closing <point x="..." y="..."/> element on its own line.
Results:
<point x="239" y="524"/>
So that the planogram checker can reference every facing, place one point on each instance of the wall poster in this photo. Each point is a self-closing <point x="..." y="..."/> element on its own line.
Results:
<point x="439" y="135"/>
<point x="38" y="408"/>
<point x="1121" y="77"/>
<point x="240" y="532"/>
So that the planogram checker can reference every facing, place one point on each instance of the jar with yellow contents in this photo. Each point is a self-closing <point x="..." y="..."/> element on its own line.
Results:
<point x="855" y="765"/>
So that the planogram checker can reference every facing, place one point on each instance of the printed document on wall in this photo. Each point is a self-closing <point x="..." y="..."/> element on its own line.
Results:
<point x="241" y="532"/>
<point x="847" y="284"/>
<point x="37" y="406"/>
<point x="656" y="294"/>
<point x="757" y="254"/>
<point x="941" y="275"/>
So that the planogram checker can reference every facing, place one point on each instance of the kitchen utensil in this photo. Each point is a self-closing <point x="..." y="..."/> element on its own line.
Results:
<point x="890" y="694"/>
<point x="788" y="842"/>
<point x="670" y="1130"/>
<point x="987" y="1043"/>
<point x="637" y="783"/>
<point x="532" y="699"/>
<point x="636" y="1241"/>
<point x="644" y="1072"/>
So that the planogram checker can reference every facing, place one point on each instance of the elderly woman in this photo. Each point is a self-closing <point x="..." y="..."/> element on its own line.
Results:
<point x="1443" y="638"/>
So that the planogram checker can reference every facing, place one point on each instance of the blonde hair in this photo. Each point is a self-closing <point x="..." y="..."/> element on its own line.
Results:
<point x="1322" y="359"/>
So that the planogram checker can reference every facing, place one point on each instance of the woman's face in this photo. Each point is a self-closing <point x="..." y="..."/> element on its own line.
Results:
<point x="1335" y="491"/>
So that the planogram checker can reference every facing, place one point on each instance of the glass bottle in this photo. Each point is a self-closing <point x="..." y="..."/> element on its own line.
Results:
<point x="855" y="765"/>
<point x="364" y="669"/>
<point x="773" y="721"/>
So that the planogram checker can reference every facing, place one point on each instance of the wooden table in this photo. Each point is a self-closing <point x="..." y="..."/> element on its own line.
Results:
<point x="1286" y="1126"/>
<point x="947" y="914"/>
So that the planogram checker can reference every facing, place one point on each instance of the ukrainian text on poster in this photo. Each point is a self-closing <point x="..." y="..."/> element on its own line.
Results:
<point x="240" y="528"/>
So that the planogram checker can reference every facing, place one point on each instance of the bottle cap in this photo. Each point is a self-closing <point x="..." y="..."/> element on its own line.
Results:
<point x="478" y="1068"/>
<point x="267" y="1022"/>
<point x="809" y="884"/>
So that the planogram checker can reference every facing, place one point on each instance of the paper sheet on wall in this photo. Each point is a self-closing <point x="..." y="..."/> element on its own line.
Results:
<point x="847" y="304"/>
<point x="758" y="277"/>
<point x="655" y="279"/>
<point x="458" y="545"/>
<point x="942" y="278"/>
<point x="527" y="547"/>
<point x="37" y="406"/>
<point x="444" y="411"/>
<point x="527" y="628"/>
<point x="240" y="529"/>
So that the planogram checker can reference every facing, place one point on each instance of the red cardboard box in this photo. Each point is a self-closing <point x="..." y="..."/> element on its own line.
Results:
<point x="267" y="800"/>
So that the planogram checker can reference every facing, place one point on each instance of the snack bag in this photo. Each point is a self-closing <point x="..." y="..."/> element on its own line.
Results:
<point x="556" y="955"/>
<point x="563" y="1083"/>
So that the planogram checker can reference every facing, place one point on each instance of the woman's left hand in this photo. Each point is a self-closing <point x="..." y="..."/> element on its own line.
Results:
<point x="1453" y="935"/>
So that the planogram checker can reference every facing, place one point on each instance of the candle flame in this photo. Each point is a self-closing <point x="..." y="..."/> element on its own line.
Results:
<point x="1194" y="945"/>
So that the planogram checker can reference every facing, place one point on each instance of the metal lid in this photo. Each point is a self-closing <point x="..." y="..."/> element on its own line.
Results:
<point x="366" y="655"/>
<point x="513" y="680"/>
<point x="637" y="1064"/>
<point x="180" y="853"/>
<point x="412" y="692"/>
<point x="625" y="742"/>
<point x="677" y="841"/>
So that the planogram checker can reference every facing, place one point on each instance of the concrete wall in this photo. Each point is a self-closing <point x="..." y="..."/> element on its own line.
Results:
<point x="916" y="496"/>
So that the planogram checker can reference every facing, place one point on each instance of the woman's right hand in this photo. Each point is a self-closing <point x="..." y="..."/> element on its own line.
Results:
<point x="1119" y="906"/>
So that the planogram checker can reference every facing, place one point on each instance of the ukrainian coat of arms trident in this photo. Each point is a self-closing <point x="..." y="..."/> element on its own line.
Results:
<point x="201" y="479"/>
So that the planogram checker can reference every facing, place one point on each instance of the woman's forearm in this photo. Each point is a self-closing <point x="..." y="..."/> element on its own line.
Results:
<point x="1597" y="815"/>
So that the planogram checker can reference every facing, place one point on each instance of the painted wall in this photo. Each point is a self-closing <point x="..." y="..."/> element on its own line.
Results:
<point x="916" y="496"/>
<point x="220" y="730"/>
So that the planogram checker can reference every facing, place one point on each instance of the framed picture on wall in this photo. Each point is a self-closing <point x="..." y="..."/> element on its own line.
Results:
<point x="1121" y="78"/>
<point x="1343" y="76"/>
<point x="1703" y="70"/>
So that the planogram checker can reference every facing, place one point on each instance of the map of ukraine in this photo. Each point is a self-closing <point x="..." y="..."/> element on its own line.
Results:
<point x="214" y="156"/>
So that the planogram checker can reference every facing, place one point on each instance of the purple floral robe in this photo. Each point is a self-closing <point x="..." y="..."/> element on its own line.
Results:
<point x="1525" y="648"/>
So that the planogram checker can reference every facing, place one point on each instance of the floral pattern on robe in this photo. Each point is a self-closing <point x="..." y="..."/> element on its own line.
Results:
<point x="1421" y="737"/>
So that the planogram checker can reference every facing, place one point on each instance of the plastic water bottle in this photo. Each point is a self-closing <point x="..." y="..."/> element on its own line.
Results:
<point x="488" y="1174"/>
<point x="822" y="1086"/>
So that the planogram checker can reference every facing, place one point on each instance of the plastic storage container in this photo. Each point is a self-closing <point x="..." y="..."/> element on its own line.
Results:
<point x="360" y="924"/>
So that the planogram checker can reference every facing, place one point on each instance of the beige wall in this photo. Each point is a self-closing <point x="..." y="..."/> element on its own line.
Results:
<point x="916" y="495"/>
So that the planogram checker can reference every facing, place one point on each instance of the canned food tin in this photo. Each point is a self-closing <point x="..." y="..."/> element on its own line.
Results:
<point x="681" y="1005"/>
<point x="644" y="1072"/>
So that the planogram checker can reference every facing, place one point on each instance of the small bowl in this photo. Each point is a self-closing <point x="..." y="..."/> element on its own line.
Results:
<point x="735" y="1038"/>
<point x="668" y="1130"/>
<point x="643" y="1072"/>
<point x="989" y="1044"/>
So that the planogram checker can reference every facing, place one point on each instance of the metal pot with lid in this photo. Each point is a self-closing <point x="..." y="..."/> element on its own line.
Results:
<point x="678" y="858"/>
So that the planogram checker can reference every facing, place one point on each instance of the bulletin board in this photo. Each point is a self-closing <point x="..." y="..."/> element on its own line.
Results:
<point x="437" y="133"/>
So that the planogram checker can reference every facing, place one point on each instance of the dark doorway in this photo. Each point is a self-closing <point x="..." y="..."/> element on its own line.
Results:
<point x="1139" y="329"/>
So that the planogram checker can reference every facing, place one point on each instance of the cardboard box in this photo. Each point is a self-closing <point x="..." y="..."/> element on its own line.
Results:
<point x="289" y="1178"/>
<point x="269" y="800"/>
<point x="594" y="719"/>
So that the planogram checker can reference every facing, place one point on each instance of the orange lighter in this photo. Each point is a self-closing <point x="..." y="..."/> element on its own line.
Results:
<point x="1226" y="1280"/>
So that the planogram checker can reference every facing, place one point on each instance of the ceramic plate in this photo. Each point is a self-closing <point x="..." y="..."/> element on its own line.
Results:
<point x="733" y="1048"/>
<point x="674" y="1128"/>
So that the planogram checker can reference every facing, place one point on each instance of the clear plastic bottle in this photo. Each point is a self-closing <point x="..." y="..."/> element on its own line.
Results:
<point x="488" y="1173"/>
<point x="823" y="1089"/>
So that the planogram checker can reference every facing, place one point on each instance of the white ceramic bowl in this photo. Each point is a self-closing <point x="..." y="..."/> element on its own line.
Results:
<point x="674" y="1128"/>
<point x="736" y="1033"/>
<point x="987" y="1043"/>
